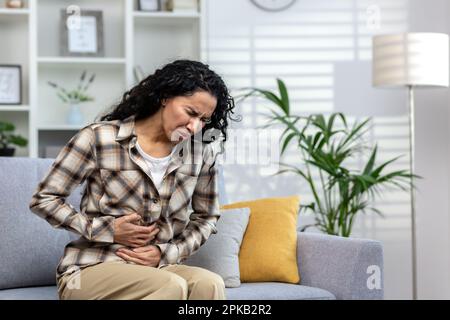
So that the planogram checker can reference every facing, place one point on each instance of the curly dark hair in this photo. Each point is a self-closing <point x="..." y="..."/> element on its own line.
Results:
<point x="178" y="78"/>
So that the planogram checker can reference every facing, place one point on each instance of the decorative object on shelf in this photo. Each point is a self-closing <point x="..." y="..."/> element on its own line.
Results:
<point x="10" y="84"/>
<point x="182" y="6"/>
<point x="14" y="4"/>
<point x="75" y="97"/>
<point x="273" y="5"/>
<point x="81" y="32"/>
<point x="74" y="117"/>
<point x="149" y="5"/>
<point x="411" y="60"/>
<point x="8" y="139"/>
<point x="340" y="193"/>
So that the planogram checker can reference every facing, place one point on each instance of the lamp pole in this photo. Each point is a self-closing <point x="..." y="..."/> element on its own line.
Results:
<point x="413" y="206"/>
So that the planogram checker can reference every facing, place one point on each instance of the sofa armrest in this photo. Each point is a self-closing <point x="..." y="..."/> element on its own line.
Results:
<point x="347" y="267"/>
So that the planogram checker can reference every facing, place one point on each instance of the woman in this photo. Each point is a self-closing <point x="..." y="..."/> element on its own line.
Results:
<point x="144" y="164"/>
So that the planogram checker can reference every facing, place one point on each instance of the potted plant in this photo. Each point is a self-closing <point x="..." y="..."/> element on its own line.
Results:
<point x="7" y="139"/>
<point x="75" y="97"/>
<point x="324" y="144"/>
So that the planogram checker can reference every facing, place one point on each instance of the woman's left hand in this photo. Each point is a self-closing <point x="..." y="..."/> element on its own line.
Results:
<point x="146" y="256"/>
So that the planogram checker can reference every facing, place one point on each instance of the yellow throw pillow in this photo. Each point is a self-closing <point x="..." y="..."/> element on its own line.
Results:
<point x="269" y="248"/>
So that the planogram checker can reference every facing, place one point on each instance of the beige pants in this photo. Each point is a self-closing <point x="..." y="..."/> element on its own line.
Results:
<point x="122" y="281"/>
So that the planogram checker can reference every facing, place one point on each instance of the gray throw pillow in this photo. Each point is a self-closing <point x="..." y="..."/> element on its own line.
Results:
<point x="220" y="253"/>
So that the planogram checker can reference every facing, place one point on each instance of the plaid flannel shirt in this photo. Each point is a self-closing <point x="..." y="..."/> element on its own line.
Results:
<point x="104" y="156"/>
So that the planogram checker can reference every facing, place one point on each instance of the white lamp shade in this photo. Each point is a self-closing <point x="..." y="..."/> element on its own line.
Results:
<point x="416" y="59"/>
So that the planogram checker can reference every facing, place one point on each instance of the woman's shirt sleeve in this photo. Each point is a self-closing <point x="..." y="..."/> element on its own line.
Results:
<point x="73" y="165"/>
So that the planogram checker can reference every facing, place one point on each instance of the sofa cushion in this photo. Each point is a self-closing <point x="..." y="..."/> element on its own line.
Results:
<point x="220" y="253"/>
<point x="31" y="248"/>
<point x="269" y="248"/>
<point x="34" y="293"/>
<point x="247" y="291"/>
<point x="276" y="291"/>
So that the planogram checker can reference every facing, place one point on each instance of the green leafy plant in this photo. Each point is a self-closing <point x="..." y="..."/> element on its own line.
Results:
<point x="7" y="138"/>
<point x="76" y="95"/>
<point x="324" y="144"/>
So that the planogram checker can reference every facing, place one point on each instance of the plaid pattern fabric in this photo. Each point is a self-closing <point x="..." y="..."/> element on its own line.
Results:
<point x="104" y="156"/>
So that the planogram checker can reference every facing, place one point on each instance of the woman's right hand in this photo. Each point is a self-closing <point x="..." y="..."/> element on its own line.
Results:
<point x="128" y="233"/>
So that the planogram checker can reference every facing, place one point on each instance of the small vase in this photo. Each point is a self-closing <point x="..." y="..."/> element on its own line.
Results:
<point x="7" y="152"/>
<point x="75" y="117"/>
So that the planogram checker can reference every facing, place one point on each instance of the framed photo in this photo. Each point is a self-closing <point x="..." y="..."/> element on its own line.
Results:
<point x="10" y="84"/>
<point x="82" y="34"/>
<point x="149" y="5"/>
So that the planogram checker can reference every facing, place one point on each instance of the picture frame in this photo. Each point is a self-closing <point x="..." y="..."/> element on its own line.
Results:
<point x="10" y="84"/>
<point x="149" y="5"/>
<point x="81" y="33"/>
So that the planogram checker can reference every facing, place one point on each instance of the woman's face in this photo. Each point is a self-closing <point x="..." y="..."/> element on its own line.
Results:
<point x="183" y="116"/>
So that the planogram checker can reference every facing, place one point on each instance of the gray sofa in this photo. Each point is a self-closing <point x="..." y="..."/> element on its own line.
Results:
<point x="330" y="267"/>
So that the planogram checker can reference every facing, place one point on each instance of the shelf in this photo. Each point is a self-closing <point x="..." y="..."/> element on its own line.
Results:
<point x="171" y="15"/>
<point x="166" y="18"/>
<point x="13" y="12"/>
<point x="14" y="15"/>
<point x="23" y="108"/>
<point x="81" y="60"/>
<point x="60" y="127"/>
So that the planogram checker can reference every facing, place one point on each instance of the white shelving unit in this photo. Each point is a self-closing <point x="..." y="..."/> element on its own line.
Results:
<point x="131" y="38"/>
<point x="165" y="15"/>
<point x="15" y="33"/>
<point x="15" y="108"/>
<point x="72" y="60"/>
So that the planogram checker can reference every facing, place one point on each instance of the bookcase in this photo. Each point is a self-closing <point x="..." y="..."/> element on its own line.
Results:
<point x="31" y="37"/>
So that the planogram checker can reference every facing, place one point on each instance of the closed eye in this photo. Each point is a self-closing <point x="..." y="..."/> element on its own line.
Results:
<point x="193" y="113"/>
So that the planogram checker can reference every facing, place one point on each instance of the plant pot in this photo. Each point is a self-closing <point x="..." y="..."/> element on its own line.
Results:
<point x="7" y="152"/>
<point x="75" y="117"/>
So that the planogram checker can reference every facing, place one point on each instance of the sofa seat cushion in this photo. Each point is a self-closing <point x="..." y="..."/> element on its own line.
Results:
<point x="247" y="291"/>
<point x="33" y="293"/>
<point x="277" y="291"/>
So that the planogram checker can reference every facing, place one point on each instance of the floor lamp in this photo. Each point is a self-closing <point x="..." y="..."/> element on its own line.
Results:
<point x="411" y="60"/>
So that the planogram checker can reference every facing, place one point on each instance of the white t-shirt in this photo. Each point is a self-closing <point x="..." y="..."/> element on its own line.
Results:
<point x="156" y="166"/>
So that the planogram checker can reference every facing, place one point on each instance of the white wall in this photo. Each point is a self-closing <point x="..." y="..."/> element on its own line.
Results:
<point x="322" y="49"/>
